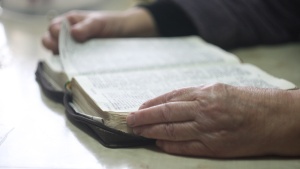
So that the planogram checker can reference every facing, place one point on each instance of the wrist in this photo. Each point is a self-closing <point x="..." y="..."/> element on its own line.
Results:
<point x="138" y="22"/>
<point x="272" y="120"/>
<point x="282" y="121"/>
<point x="290" y="130"/>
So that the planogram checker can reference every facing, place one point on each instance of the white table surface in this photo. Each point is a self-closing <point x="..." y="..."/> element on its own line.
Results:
<point x="40" y="135"/>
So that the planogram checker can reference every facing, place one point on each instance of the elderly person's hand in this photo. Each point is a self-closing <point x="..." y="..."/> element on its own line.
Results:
<point x="87" y="25"/>
<point x="222" y="121"/>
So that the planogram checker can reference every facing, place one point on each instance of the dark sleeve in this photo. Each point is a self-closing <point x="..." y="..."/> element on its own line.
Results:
<point x="170" y="19"/>
<point x="230" y="24"/>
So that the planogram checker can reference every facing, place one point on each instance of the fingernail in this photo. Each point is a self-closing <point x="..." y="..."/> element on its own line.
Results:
<point x="130" y="119"/>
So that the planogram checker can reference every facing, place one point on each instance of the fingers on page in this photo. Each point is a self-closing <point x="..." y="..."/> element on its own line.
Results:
<point x="84" y="30"/>
<point x="182" y="131"/>
<point x="164" y="113"/>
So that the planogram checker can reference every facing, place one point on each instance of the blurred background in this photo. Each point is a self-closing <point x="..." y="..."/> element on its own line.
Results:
<point x="23" y="22"/>
<point x="50" y="7"/>
<point x="44" y="6"/>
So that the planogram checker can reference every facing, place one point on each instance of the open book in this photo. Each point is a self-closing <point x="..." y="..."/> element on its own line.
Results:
<point x="110" y="78"/>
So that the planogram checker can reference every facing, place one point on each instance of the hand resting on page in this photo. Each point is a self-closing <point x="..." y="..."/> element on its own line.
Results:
<point x="221" y="121"/>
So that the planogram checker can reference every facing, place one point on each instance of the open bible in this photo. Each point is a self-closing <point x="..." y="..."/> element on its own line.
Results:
<point x="109" y="78"/>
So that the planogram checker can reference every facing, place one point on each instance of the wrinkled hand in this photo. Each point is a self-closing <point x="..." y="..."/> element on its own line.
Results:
<point x="218" y="121"/>
<point x="87" y="25"/>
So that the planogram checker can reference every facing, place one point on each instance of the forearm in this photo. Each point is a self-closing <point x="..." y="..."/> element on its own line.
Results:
<point x="138" y="22"/>
<point x="288" y="134"/>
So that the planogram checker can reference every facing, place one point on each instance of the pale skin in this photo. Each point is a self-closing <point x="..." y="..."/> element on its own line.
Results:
<point x="216" y="120"/>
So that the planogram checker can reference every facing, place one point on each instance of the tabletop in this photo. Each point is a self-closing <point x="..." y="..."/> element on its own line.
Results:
<point x="35" y="133"/>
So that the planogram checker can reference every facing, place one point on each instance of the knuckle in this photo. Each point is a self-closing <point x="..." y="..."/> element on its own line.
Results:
<point x="217" y="86"/>
<point x="96" y="19"/>
<point x="74" y="16"/>
<point x="178" y="94"/>
<point x="211" y="96"/>
<point x="166" y="112"/>
<point x="170" y="131"/>
<point x="171" y="95"/>
<point x="213" y="85"/>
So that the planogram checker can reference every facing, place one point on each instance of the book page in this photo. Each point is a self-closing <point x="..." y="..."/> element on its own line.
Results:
<point x="4" y="132"/>
<point x="119" y="54"/>
<point x="125" y="92"/>
<point x="66" y="42"/>
<point x="5" y="53"/>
